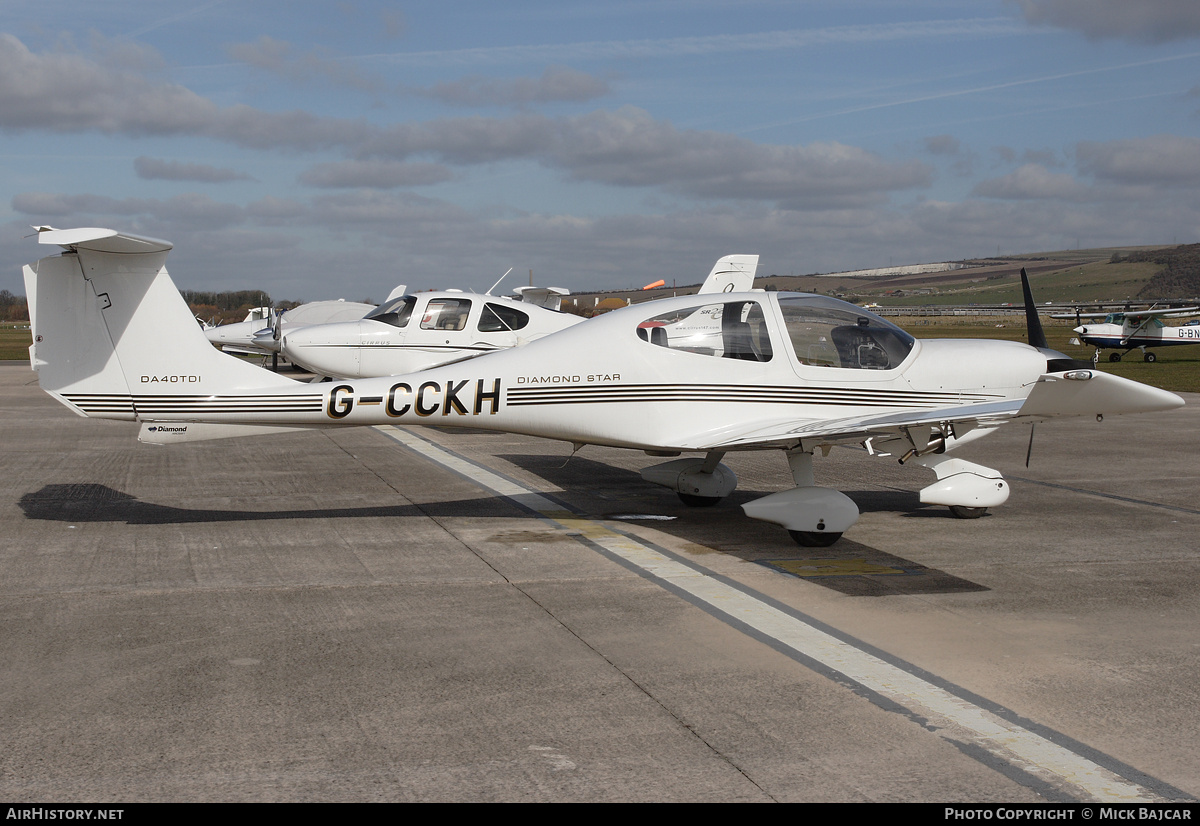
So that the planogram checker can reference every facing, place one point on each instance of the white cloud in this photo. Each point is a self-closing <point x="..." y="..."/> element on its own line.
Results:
<point x="1159" y="160"/>
<point x="631" y="149"/>
<point x="374" y="174"/>
<point x="283" y="59"/>
<point x="1033" y="182"/>
<point x="626" y="147"/>
<point x="158" y="169"/>
<point x="65" y="92"/>
<point x="1152" y="21"/>
<point x="942" y="145"/>
<point x="189" y="210"/>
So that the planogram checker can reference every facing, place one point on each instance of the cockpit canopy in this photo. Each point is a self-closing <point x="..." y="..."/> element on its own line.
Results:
<point x="443" y="313"/>
<point x="396" y="312"/>
<point x="826" y="332"/>
<point x="822" y="332"/>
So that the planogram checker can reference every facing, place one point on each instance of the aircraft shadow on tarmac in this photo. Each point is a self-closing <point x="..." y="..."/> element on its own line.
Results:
<point x="608" y="492"/>
<point x="614" y="493"/>
<point x="88" y="502"/>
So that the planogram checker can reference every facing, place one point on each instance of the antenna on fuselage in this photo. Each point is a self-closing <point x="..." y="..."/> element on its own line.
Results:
<point x="497" y="284"/>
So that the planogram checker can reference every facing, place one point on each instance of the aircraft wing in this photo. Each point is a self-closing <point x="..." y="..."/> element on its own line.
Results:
<point x="1070" y="393"/>
<point x="852" y="428"/>
<point x="1135" y="315"/>
<point x="1163" y="312"/>
<point x="1079" y="315"/>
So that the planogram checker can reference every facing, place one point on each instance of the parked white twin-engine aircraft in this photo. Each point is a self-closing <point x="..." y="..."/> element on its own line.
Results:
<point x="408" y="333"/>
<point x="791" y="372"/>
<point x="1135" y="329"/>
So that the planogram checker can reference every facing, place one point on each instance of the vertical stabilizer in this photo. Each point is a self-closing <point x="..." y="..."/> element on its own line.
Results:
<point x="109" y="326"/>
<point x="732" y="274"/>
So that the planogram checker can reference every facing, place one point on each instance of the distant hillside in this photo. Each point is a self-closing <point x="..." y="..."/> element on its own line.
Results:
<point x="1180" y="276"/>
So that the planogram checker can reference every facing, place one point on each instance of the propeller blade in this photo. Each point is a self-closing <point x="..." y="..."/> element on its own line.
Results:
<point x="1029" y="451"/>
<point x="1033" y="324"/>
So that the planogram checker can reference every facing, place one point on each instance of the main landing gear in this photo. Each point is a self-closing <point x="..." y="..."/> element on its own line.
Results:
<point x="816" y="517"/>
<point x="699" y="483"/>
<point x="1146" y="357"/>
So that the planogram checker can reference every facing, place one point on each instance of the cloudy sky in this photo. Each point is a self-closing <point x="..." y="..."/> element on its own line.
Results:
<point x="335" y="149"/>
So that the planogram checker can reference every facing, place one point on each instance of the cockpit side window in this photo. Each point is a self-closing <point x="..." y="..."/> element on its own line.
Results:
<point x="825" y="332"/>
<point x="396" y="312"/>
<point x="732" y="330"/>
<point x="446" y="314"/>
<point x="496" y="318"/>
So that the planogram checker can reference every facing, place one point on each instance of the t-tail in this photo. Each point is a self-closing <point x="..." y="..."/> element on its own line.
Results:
<point x="732" y="274"/>
<point x="113" y="338"/>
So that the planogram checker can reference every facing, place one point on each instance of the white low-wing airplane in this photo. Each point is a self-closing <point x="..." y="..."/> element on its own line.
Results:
<point x="419" y="331"/>
<point x="1135" y="329"/>
<point x="793" y="372"/>
<point x="254" y="335"/>
<point x="408" y="333"/>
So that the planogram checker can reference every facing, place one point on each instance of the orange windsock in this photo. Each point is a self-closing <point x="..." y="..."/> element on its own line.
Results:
<point x="657" y="283"/>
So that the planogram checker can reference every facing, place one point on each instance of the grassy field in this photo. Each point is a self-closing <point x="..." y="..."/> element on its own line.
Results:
<point x="1177" y="368"/>
<point x="1081" y="284"/>
<point x="14" y="342"/>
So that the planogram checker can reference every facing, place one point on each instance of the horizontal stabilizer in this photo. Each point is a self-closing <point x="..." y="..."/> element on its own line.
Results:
<point x="548" y="297"/>
<point x="169" y="433"/>
<point x="98" y="239"/>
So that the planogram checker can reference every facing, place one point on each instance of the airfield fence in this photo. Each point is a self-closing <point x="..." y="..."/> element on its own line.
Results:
<point x="958" y="311"/>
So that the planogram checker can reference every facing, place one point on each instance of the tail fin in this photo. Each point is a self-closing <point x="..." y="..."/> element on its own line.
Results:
<point x="732" y="274"/>
<point x="1037" y="338"/>
<point x="109" y="324"/>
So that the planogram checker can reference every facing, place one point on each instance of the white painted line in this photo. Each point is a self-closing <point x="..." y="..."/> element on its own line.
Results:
<point x="954" y="718"/>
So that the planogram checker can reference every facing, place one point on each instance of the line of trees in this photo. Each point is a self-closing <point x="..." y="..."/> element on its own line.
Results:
<point x="13" y="307"/>
<point x="226" y="307"/>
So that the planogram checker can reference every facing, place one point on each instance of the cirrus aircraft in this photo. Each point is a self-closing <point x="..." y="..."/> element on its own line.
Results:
<point x="790" y="372"/>
<point x="414" y="332"/>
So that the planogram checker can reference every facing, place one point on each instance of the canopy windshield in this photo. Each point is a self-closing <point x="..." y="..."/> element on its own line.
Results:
<point x="826" y="332"/>
<point x="396" y="312"/>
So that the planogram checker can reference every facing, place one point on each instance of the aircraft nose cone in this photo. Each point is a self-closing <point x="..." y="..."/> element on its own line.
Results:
<point x="329" y="349"/>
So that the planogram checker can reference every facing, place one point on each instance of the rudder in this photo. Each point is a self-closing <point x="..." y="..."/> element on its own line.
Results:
<point x="109" y="325"/>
